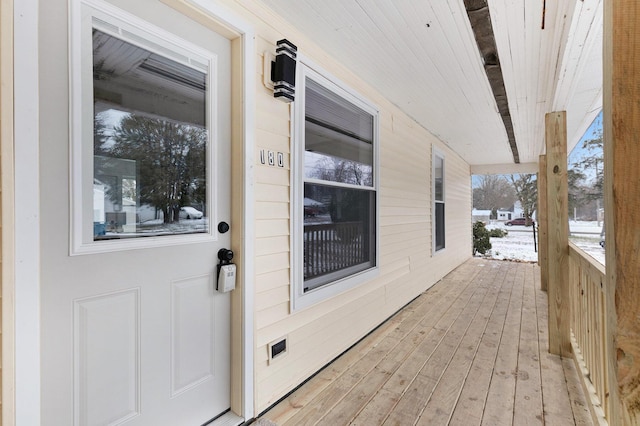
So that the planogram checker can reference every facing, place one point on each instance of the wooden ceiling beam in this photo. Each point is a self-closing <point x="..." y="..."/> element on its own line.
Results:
<point x="480" y="19"/>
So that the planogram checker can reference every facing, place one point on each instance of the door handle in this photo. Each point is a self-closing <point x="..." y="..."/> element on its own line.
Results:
<point x="225" y="255"/>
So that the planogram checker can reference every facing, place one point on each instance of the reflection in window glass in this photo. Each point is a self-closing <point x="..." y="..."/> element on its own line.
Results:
<point x="338" y="138"/>
<point x="339" y="233"/>
<point x="439" y="226"/>
<point x="438" y="178"/>
<point x="150" y="142"/>
<point x="339" y="195"/>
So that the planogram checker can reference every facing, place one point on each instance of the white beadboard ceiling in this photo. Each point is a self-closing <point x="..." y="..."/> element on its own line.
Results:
<point x="423" y="57"/>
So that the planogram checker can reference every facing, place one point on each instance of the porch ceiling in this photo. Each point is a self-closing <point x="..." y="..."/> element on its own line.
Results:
<point x="422" y="55"/>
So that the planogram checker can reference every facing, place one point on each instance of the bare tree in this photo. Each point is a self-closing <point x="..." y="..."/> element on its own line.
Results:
<point x="593" y="165"/>
<point x="576" y="189"/>
<point x="493" y="193"/>
<point x="526" y="188"/>
<point x="592" y="171"/>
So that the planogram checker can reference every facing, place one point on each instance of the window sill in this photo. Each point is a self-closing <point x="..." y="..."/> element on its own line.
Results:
<point x="328" y="291"/>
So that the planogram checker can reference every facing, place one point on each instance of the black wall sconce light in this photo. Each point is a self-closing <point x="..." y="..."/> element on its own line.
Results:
<point x="283" y="71"/>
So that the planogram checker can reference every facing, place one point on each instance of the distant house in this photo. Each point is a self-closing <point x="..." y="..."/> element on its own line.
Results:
<point x="505" y="215"/>
<point x="480" y="215"/>
<point x="514" y="212"/>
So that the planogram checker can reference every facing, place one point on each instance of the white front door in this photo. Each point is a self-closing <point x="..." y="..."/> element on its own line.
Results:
<point x="134" y="184"/>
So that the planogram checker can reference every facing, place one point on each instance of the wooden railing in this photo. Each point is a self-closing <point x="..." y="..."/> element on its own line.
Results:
<point x="588" y="327"/>
<point x="332" y="247"/>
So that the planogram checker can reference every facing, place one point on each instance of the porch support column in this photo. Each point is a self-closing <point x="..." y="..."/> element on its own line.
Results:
<point x="621" y="95"/>
<point x="543" y="224"/>
<point x="558" y="233"/>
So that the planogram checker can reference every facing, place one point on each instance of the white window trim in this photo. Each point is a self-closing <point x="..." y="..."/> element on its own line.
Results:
<point x="435" y="152"/>
<point x="81" y="158"/>
<point x="300" y="299"/>
<point x="238" y="27"/>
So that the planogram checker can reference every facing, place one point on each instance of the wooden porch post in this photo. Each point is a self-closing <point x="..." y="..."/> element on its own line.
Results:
<point x="558" y="233"/>
<point x="621" y="102"/>
<point x="543" y="239"/>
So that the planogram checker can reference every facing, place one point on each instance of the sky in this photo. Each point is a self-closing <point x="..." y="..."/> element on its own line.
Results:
<point x="578" y="152"/>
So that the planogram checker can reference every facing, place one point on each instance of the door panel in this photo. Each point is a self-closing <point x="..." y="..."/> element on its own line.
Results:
<point x="107" y="357"/>
<point x="131" y="334"/>
<point x="193" y="336"/>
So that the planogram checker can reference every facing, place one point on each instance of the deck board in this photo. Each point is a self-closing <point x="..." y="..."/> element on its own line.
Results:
<point x="470" y="405"/>
<point x="528" y="398"/>
<point x="500" y="399"/>
<point x="471" y="350"/>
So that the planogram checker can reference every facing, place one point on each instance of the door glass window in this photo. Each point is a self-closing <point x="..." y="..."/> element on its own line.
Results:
<point x="150" y="141"/>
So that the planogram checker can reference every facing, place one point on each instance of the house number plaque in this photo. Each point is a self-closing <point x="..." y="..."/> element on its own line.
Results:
<point x="271" y="158"/>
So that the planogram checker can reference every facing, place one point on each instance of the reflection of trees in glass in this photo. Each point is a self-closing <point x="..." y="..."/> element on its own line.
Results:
<point x="170" y="161"/>
<point x="348" y="204"/>
<point x="99" y="135"/>
<point x="345" y="171"/>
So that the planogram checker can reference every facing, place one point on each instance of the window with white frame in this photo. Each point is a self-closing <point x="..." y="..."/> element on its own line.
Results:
<point x="438" y="201"/>
<point x="336" y="188"/>
<point x="145" y="99"/>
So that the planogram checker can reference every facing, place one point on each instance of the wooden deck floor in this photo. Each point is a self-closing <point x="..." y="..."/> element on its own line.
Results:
<point x="472" y="350"/>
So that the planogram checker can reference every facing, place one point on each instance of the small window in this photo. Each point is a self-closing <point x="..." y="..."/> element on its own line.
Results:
<point x="337" y="218"/>
<point x="438" y="204"/>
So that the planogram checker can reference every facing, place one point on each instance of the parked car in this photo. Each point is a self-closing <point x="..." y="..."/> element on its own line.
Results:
<point x="519" y="221"/>
<point x="190" y="213"/>
<point x="310" y="211"/>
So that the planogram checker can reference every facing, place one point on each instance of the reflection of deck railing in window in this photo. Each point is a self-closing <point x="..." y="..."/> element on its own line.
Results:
<point x="332" y="247"/>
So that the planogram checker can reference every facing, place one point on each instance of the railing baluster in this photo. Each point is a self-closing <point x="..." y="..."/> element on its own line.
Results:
<point x="340" y="245"/>
<point x="588" y="322"/>
<point x="323" y="244"/>
<point x="332" y="247"/>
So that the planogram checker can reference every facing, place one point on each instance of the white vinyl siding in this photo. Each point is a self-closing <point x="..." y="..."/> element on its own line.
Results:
<point x="317" y="333"/>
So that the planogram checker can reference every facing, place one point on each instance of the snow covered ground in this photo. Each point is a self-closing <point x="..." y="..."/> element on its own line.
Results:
<point x="519" y="244"/>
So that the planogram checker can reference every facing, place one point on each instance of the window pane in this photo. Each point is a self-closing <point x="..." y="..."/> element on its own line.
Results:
<point x="439" y="226"/>
<point x="438" y="174"/>
<point x="339" y="233"/>
<point x="338" y="138"/>
<point x="150" y="143"/>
